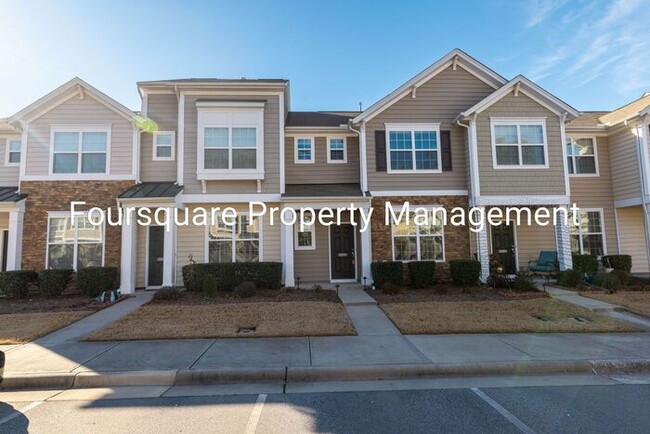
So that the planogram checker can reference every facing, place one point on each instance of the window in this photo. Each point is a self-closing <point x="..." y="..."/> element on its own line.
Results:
<point x="413" y="242"/>
<point x="588" y="237"/>
<point x="581" y="156"/>
<point x="336" y="150"/>
<point x="14" y="147"/>
<point x="75" y="152"/>
<point x="304" y="150"/>
<point x="75" y="247"/>
<point x="413" y="148"/>
<point x="163" y="145"/>
<point x="519" y="143"/>
<point x="235" y="243"/>
<point x="230" y="148"/>
<point x="305" y="239"/>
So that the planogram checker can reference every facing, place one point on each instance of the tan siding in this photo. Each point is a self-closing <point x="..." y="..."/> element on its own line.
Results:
<point x="164" y="110"/>
<point x="321" y="172"/>
<point x="441" y="99"/>
<point x="531" y="240"/>
<point x="314" y="265"/>
<point x="4" y="220"/>
<point x="271" y="183"/>
<point x="141" y="256"/>
<point x="633" y="237"/>
<point x="76" y="111"/>
<point x="624" y="163"/>
<point x="8" y="174"/>
<point x="520" y="181"/>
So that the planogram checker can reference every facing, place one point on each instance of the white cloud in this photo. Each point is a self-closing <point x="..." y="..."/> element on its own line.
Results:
<point x="541" y="10"/>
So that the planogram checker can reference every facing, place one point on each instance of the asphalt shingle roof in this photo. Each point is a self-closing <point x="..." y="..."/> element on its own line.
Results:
<point x="319" y="119"/>
<point x="323" y="190"/>
<point x="10" y="194"/>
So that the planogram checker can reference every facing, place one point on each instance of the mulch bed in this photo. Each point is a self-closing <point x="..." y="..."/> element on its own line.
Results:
<point x="449" y="293"/>
<point x="35" y="304"/>
<point x="266" y="295"/>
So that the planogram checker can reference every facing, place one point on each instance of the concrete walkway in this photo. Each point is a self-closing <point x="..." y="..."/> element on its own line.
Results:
<point x="368" y="319"/>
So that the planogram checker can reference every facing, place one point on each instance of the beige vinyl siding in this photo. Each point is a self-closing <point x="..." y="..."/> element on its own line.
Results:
<point x="632" y="237"/>
<point x="141" y="256"/>
<point x="439" y="100"/>
<point x="4" y="220"/>
<point x="596" y="192"/>
<point x="162" y="108"/>
<point x="531" y="240"/>
<point x="271" y="182"/>
<point x="8" y="174"/>
<point x="320" y="172"/>
<point x="508" y="182"/>
<point x="314" y="265"/>
<point x="76" y="112"/>
<point x="624" y="163"/>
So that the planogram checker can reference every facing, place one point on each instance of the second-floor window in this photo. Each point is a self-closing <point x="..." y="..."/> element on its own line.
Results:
<point x="304" y="150"/>
<point x="519" y="143"/>
<point x="413" y="148"/>
<point x="230" y="148"/>
<point x="79" y="152"/>
<point x="581" y="156"/>
<point x="336" y="150"/>
<point x="14" y="147"/>
<point x="163" y="145"/>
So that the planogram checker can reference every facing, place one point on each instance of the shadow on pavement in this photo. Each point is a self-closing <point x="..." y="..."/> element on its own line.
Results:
<point x="12" y="420"/>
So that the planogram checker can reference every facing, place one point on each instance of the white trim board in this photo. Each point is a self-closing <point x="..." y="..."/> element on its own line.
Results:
<point x="521" y="200"/>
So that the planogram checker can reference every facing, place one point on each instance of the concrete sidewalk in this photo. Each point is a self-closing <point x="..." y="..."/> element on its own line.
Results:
<point x="368" y="319"/>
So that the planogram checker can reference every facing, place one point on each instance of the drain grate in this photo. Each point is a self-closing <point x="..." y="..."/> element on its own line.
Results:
<point x="246" y="330"/>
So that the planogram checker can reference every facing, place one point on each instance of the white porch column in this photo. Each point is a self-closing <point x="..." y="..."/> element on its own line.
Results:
<point x="366" y="255"/>
<point x="286" y="242"/>
<point x="15" y="241"/>
<point x="128" y="257"/>
<point x="483" y="253"/>
<point x="169" y="255"/>
<point x="563" y="244"/>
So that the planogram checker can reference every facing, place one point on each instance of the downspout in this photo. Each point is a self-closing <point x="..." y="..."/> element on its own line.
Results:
<point x="362" y="158"/>
<point x="460" y="124"/>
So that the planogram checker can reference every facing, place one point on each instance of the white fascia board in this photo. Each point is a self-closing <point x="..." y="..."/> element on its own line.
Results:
<point x="521" y="200"/>
<point x="227" y="198"/>
<point x="389" y="193"/>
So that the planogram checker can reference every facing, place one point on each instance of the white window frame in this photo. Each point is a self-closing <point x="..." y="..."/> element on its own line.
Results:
<point x="417" y="237"/>
<point x="413" y="128"/>
<point x="230" y="115"/>
<point x="573" y="138"/>
<point x="312" y="140"/>
<point x="310" y="228"/>
<point x="80" y="129"/>
<point x="329" y="150"/>
<point x="518" y="122"/>
<point x="172" y="156"/>
<point x="8" y="151"/>
<point x="234" y="240"/>
<point x="75" y="251"/>
<point x="581" y="233"/>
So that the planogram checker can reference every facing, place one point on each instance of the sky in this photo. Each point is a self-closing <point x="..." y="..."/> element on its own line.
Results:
<point x="595" y="55"/>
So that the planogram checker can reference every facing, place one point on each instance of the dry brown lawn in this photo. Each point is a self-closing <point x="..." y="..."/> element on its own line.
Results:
<point x="24" y="327"/>
<point x="505" y="316"/>
<point x="634" y="301"/>
<point x="271" y="319"/>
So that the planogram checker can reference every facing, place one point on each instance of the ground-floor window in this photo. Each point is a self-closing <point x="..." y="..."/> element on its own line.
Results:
<point x="412" y="242"/>
<point x="235" y="243"/>
<point x="74" y="247"/>
<point x="588" y="237"/>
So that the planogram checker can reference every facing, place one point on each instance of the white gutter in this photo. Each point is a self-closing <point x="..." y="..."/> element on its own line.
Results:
<point x="363" y="163"/>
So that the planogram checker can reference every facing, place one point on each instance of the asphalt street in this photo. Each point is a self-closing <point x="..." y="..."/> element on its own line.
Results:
<point x="547" y="409"/>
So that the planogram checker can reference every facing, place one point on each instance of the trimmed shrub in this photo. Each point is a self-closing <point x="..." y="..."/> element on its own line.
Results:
<point x="523" y="282"/>
<point x="570" y="278"/>
<point x="618" y="262"/>
<point x="387" y="272"/>
<point x="422" y="273"/>
<point x="92" y="281"/>
<point x="167" y="293"/>
<point x="194" y="275"/>
<point x="265" y="275"/>
<point x="15" y="284"/>
<point x="464" y="271"/>
<point x="585" y="263"/>
<point x="52" y="283"/>
<point x="245" y="290"/>
<point x="623" y="276"/>
<point x="607" y="281"/>
<point x="210" y="286"/>
<point x="499" y="281"/>
<point x="390" y="288"/>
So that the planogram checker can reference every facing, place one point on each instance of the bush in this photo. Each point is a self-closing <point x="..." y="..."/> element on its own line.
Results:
<point x="390" y="288"/>
<point x="15" y="284"/>
<point x="210" y="286"/>
<point x="266" y="275"/>
<point x="570" y="278"/>
<point x="194" y="275"/>
<point x="523" y="282"/>
<point x="245" y="290"/>
<point x="623" y="276"/>
<point x="167" y="293"/>
<point x="92" y="281"/>
<point x="387" y="272"/>
<point x="585" y="263"/>
<point x="52" y="283"/>
<point x="607" y="281"/>
<point x="422" y="273"/>
<point x="464" y="271"/>
<point x="618" y="262"/>
<point x="499" y="281"/>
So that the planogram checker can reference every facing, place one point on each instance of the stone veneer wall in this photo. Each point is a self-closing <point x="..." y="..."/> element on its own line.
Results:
<point x="44" y="196"/>
<point x="456" y="237"/>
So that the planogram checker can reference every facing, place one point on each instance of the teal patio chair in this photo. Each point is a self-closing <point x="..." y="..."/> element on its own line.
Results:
<point x="546" y="263"/>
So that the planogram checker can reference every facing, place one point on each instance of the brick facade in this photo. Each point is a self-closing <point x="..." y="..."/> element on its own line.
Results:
<point x="44" y="196"/>
<point x="456" y="237"/>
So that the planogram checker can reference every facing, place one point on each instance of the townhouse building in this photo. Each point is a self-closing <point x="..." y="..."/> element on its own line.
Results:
<point x="457" y="134"/>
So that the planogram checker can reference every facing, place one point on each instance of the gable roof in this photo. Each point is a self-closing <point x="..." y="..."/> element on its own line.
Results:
<point x="628" y="111"/>
<point x="62" y="94"/>
<point x="318" y="119"/>
<point x="456" y="57"/>
<point x="530" y="89"/>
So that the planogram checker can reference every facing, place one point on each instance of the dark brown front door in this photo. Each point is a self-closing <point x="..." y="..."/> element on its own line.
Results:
<point x="503" y="247"/>
<point x="156" y="246"/>
<point x="5" y="249"/>
<point x="342" y="250"/>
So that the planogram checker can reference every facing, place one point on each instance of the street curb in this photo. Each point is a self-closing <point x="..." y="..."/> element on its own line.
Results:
<point x="286" y="375"/>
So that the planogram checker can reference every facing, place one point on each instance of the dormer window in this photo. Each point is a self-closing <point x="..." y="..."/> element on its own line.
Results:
<point x="14" y="147"/>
